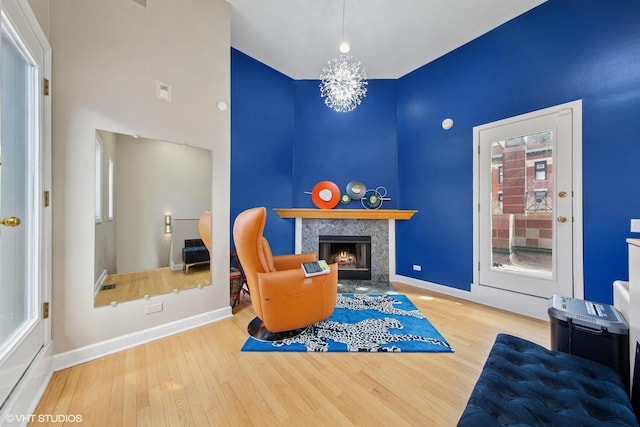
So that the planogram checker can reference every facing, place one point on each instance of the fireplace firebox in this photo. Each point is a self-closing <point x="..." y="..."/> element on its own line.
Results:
<point x="351" y="253"/>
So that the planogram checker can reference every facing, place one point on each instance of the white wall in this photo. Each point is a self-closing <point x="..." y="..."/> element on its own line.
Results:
<point x="154" y="179"/>
<point x="107" y="56"/>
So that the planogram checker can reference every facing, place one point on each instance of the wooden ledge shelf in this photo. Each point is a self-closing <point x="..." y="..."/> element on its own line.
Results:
<point x="345" y="213"/>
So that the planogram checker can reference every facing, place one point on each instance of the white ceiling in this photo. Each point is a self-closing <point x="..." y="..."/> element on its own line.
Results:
<point x="390" y="37"/>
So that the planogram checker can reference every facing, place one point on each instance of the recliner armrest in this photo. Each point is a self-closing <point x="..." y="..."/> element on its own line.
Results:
<point x="277" y="284"/>
<point x="289" y="300"/>
<point x="292" y="261"/>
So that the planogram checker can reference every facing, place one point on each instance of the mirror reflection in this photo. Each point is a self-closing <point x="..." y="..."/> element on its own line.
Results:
<point x="149" y="197"/>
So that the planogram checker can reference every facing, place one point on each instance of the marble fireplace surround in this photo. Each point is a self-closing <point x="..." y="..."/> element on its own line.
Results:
<point x="379" y="224"/>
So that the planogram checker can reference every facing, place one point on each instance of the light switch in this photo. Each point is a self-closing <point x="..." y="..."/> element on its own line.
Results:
<point x="635" y="225"/>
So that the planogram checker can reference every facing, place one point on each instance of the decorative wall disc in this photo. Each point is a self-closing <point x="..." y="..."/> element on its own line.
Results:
<point x="325" y="195"/>
<point x="373" y="198"/>
<point x="356" y="190"/>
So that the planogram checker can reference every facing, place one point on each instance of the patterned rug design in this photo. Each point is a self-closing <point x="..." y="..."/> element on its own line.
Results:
<point x="365" y="323"/>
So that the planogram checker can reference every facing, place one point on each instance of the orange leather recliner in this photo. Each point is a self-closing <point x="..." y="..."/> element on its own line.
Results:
<point x="204" y="227"/>
<point x="283" y="299"/>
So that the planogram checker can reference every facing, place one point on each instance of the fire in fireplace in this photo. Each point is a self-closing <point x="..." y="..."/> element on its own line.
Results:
<point x="351" y="253"/>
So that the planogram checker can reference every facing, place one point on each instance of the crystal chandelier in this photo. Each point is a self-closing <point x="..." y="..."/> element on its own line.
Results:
<point x="343" y="81"/>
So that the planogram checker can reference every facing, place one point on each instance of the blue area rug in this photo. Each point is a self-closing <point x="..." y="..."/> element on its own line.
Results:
<point x="365" y="323"/>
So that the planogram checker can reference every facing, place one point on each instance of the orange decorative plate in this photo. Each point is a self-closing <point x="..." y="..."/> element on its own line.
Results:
<point x="325" y="195"/>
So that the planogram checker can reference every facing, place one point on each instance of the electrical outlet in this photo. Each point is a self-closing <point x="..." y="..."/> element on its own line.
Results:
<point x="154" y="308"/>
<point x="417" y="267"/>
<point x="635" y="225"/>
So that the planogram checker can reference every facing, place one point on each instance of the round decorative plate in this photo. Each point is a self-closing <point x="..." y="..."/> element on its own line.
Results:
<point x="372" y="199"/>
<point x="345" y="199"/>
<point x="356" y="190"/>
<point x="325" y="195"/>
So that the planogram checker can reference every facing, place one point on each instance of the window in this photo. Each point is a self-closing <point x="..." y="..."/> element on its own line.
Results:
<point x="500" y="174"/>
<point x="540" y="170"/>
<point x="110" y="207"/>
<point x="98" y="199"/>
<point x="540" y="195"/>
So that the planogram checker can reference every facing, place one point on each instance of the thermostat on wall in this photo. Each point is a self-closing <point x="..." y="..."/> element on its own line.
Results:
<point x="163" y="90"/>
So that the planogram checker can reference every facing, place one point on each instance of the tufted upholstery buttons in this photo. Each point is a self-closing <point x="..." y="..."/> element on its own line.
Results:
<point x="524" y="384"/>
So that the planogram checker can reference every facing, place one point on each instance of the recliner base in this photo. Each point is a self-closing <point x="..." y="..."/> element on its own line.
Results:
<point x="257" y="330"/>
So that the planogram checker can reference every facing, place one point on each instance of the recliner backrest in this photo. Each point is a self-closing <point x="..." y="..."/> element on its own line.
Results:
<point x="253" y="249"/>
<point x="267" y="256"/>
<point x="204" y="228"/>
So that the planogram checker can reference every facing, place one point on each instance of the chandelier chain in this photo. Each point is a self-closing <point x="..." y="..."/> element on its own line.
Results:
<point x="343" y="81"/>
<point x="344" y="2"/>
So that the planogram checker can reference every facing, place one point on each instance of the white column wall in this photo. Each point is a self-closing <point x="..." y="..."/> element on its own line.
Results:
<point x="107" y="56"/>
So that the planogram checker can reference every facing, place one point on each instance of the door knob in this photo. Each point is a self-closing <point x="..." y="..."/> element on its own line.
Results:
<point x="562" y="219"/>
<point x="10" y="221"/>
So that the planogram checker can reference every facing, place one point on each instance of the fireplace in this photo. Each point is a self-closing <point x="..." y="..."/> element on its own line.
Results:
<point x="351" y="253"/>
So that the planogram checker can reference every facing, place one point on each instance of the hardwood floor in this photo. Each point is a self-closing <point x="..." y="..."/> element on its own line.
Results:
<point x="157" y="281"/>
<point x="200" y="377"/>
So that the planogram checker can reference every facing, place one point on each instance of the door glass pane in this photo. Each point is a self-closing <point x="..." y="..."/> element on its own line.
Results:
<point x="16" y="87"/>
<point x="522" y="204"/>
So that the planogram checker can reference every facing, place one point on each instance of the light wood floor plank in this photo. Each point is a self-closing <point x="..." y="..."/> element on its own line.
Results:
<point x="201" y="378"/>
<point x="157" y="281"/>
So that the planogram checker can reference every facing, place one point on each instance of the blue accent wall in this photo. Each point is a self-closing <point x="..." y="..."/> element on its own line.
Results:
<point x="285" y="140"/>
<point x="342" y="147"/>
<point x="262" y="118"/>
<point x="560" y="51"/>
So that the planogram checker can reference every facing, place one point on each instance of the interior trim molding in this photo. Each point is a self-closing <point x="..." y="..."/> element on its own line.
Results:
<point x="514" y="302"/>
<point x="99" y="282"/>
<point x="110" y="346"/>
<point x="525" y="305"/>
<point x="430" y="286"/>
<point x="24" y="399"/>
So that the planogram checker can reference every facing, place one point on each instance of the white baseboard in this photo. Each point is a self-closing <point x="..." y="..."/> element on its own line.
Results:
<point x="525" y="305"/>
<point x="25" y="397"/>
<point x="104" y="348"/>
<point x="442" y="289"/>
<point x="176" y="266"/>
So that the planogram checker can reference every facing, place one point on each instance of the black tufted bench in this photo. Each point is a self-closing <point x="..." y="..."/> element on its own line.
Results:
<point x="194" y="253"/>
<point x="525" y="384"/>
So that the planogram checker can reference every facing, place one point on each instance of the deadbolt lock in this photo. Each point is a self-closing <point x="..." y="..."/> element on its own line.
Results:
<point x="562" y="194"/>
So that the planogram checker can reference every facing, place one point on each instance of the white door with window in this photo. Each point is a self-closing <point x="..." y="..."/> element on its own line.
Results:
<point x="527" y="225"/>
<point x="24" y="218"/>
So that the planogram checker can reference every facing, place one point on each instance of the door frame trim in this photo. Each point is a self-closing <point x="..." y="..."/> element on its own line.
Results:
<point x="28" y="391"/>
<point x="519" y="302"/>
